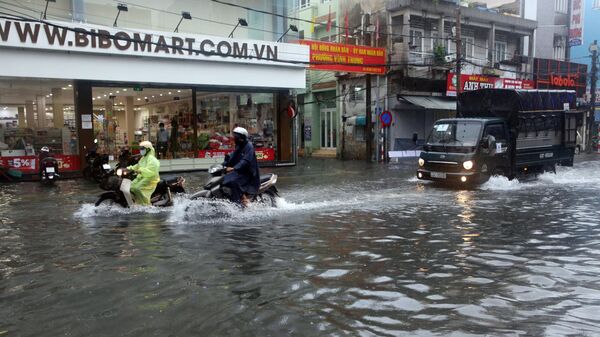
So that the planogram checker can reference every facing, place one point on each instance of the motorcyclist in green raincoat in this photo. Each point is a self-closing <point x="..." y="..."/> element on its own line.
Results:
<point x="147" y="175"/>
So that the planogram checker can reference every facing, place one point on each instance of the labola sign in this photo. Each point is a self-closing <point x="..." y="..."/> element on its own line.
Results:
<point x="560" y="81"/>
<point x="99" y="39"/>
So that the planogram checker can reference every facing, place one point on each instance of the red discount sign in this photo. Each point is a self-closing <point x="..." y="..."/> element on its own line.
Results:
<point x="345" y="57"/>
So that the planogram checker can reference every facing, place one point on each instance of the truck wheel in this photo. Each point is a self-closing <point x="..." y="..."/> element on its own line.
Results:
<point x="577" y="149"/>
<point x="499" y="172"/>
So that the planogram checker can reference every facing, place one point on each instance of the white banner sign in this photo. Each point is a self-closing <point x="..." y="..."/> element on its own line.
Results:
<point x="576" y="27"/>
<point x="63" y="36"/>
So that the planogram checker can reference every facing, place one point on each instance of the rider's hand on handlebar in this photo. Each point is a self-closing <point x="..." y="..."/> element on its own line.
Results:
<point x="229" y="170"/>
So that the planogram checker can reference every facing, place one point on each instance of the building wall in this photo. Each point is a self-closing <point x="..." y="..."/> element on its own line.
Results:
<point x="591" y="32"/>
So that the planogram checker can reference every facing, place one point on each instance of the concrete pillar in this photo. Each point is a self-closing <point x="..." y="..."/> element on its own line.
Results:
<point x="30" y="114"/>
<point x="58" y="115"/>
<point x="129" y="119"/>
<point x="21" y="110"/>
<point x="41" y="112"/>
<point x="491" y="42"/>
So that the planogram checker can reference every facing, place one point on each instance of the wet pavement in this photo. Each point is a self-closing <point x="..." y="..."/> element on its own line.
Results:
<point x="351" y="250"/>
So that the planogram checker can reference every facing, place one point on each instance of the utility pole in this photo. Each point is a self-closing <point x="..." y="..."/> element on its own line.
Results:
<point x="594" y="77"/>
<point x="458" y="56"/>
<point x="368" y="117"/>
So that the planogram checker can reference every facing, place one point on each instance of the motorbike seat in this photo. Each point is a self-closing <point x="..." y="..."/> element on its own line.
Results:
<point x="265" y="177"/>
<point x="169" y="180"/>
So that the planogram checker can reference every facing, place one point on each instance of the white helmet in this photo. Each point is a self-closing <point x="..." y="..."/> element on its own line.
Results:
<point x="241" y="131"/>
<point x="45" y="149"/>
<point x="146" y="144"/>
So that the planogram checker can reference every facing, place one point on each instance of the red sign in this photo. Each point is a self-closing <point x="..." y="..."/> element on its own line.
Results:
<point x="560" y="81"/>
<point x="345" y="57"/>
<point x="475" y="82"/>
<point x="30" y="164"/>
<point x="262" y="154"/>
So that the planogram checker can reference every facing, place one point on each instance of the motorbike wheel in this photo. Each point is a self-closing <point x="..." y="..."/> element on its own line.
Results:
<point x="106" y="202"/>
<point x="268" y="198"/>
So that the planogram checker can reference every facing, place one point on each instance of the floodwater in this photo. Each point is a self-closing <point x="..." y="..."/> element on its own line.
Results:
<point x="352" y="250"/>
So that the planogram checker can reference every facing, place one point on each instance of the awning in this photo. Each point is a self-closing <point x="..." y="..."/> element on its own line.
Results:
<point x="431" y="102"/>
<point x="356" y="120"/>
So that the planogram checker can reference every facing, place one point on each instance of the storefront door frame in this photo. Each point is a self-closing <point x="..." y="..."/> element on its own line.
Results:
<point x="328" y="132"/>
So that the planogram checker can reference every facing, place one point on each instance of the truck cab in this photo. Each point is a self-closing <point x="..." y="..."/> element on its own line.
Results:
<point x="465" y="150"/>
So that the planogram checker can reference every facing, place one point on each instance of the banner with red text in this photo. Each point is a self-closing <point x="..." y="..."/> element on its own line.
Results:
<point x="475" y="82"/>
<point x="345" y="57"/>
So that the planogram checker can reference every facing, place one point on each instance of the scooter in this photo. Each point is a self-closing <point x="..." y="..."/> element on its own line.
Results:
<point x="213" y="189"/>
<point x="48" y="170"/>
<point x="119" y="186"/>
<point x="97" y="167"/>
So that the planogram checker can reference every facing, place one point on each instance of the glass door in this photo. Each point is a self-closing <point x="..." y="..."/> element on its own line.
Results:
<point x="329" y="127"/>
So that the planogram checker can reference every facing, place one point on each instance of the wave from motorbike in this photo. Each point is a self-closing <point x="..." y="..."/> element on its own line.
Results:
<point x="214" y="189"/>
<point x="119" y="184"/>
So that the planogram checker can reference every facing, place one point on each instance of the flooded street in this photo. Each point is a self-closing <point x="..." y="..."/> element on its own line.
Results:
<point x="352" y="249"/>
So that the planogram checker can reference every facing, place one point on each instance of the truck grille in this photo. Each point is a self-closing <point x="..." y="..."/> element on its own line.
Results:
<point x="439" y="167"/>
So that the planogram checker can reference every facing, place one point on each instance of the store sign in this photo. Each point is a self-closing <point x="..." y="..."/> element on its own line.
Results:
<point x="561" y="81"/>
<point x="30" y="165"/>
<point x="71" y="37"/>
<point x="25" y="164"/>
<point x="262" y="154"/>
<point x="576" y="26"/>
<point x="346" y="58"/>
<point x="475" y="82"/>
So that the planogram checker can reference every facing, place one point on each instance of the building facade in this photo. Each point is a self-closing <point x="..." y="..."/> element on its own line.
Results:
<point x="94" y="70"/>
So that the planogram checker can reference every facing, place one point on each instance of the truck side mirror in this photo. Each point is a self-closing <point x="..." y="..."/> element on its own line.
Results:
<point x="415" y="137"/>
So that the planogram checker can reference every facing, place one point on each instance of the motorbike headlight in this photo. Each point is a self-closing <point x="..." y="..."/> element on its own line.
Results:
<point x="119" y="172"/>
<point x="215" y="168"/>
<point x="468" y="164"/>
<point x="421" y="161"/>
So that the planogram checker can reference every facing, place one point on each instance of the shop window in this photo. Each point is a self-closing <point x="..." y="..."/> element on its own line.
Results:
<point x="125" y="116"/>
<point x="36" y="114"/>
<point x="220" y="113"/>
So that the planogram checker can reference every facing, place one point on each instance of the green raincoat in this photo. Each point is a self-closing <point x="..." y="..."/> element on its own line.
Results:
<point x="147" y="178"/>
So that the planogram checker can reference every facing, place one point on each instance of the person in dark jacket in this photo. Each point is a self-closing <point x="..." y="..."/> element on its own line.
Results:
<point x="243" y="177"/>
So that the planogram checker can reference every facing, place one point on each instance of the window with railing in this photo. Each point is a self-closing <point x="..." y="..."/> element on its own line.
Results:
<point x="500" y="51"/>
<point x="299" y="4"/>
<point x="559" y="48"/>
<point x="416" y="42"/>
<point x="561" y="6"/>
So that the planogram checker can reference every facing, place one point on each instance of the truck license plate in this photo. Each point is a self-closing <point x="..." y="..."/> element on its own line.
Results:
<point x="439" y="175"/>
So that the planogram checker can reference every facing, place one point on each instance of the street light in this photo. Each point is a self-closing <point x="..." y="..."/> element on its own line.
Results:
<point x="292" y="28"/>
<point x="46" y="9"/>
<point x="241" y="22"/>
<point x="121" y="8"/>
<point x="184" y="15"/>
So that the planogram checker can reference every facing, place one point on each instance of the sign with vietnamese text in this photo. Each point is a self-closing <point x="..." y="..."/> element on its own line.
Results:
<point x="262" y="154"/>
<point x="476" y="82"/>
<point x="345" y="58"/>
<point x="29" y="164"/>
<point x="576" y="26"/>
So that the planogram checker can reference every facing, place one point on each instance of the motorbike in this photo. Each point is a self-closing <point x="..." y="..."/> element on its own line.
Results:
<point x="213" y="189"/>
<point x="97" y="167"/>
<point x="161" y="197"/>
<point x="48" y="170"/>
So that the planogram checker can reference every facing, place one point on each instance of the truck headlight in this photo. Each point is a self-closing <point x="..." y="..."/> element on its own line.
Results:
<point x="421" y="161"/>
<point x="468" y="164"/>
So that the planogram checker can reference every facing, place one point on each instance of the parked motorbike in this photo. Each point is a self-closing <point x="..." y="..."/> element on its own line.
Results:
<point x="213" y="189"/>
<point x="48" y="170"/>
<point x="97" y="167"/>
<point x="161" y="197"/>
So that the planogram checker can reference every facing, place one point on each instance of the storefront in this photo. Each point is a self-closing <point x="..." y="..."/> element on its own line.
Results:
<point x="65" y="85"/>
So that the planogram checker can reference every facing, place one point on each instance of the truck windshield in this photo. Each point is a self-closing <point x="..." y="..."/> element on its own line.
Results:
<point x="455" y="133"/>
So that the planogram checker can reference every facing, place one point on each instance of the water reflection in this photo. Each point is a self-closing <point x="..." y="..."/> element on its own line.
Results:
<point x="350" y="254"/>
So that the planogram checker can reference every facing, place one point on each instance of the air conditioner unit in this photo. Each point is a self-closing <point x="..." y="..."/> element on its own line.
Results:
<point x="450" y="58"/>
